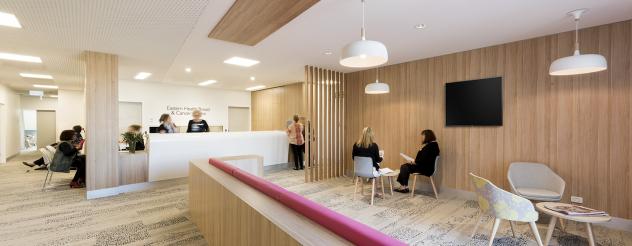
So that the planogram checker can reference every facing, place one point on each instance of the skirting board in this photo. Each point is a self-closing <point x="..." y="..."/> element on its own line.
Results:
<point x="93" y="194"/>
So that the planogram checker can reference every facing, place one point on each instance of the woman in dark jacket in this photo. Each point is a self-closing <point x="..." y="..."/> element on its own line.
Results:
<point x="67" y="153"/>
<point x="366" y="147"/>
<point x="424" y="161"/>
<point x="197" y="124"/>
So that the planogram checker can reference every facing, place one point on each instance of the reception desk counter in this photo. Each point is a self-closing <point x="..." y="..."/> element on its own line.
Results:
<point x="169" y="154"/>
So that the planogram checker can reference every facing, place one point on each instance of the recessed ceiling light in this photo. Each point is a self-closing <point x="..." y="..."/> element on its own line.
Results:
<point x="54" y="96"/>
<point x="36" y="93"/>
<point x="9" y="20"/>
<point x="420" y="26"/>
<point x="328" y="52"/>
<point x="188" y="70"/>
<point x="46" y="86"/>
<point x="36" y="76"/>
<point x="252" y="78"/>
<point x="142" y="75"/>
<point x="22" y="58"/>
<point x="208" y="82"/>
<point x="239" y="61"/>
<point x="254" y="88"/>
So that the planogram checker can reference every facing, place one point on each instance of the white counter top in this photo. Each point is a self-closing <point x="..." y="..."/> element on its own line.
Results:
<point x="169" y="154"/>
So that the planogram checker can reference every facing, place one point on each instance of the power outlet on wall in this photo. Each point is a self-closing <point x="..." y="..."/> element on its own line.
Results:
<point x="577" y="199"/>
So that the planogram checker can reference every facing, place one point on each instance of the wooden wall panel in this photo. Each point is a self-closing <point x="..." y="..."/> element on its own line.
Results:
<point x="324" y="123"/>
<point x="578" y="125"/>
<point x="102" y="132"/>
<point x="272" y="108"/>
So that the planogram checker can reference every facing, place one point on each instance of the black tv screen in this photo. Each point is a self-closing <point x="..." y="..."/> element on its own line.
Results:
<point x="474" y="102"/>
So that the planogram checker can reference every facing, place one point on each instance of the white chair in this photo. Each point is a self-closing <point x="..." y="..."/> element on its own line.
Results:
<point x="503" y="205"/>
<point x="434" y="188"/>
<point x="535" y="181"/>
<point x="363" y="168"/>
<point x="46" y="155"/>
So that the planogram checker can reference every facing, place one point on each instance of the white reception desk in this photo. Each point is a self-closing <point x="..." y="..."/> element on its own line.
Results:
<point x="169" y="154"/>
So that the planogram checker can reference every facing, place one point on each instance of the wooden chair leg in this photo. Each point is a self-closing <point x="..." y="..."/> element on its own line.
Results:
<point x="382" y="184"/>
<point x="412" y="188"/>
<point x="355" y="190"/>
<point x="513" y="232"/>
<point x="479" y="218"/>
<point x="536" y="234"/>
<point x="434" y="188"/>
<point x="494" y="230"/>
<point x="372" y="190"/>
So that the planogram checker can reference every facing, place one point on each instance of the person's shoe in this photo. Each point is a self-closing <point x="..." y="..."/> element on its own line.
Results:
<point x="41" y="168"/>
<point x="302" y="168"/>
<point x="402" y="190"/>
<point x="295" y="168"/>
<point x="76" y="185"/>
<point x="28" y="164"/>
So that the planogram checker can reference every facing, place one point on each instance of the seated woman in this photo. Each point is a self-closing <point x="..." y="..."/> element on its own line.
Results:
<point x="424" y="161"/>
<point x="67" y="155"/>
<point x="366" y="147"/>
<point x="166" y="124"/>
<point x="78" y="142"/>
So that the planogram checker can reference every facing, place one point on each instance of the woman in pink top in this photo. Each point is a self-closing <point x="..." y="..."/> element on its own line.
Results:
<point x="295" y="135"/>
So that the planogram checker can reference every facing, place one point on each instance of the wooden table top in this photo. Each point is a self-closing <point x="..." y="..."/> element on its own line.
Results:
<point x="587" y="219"/>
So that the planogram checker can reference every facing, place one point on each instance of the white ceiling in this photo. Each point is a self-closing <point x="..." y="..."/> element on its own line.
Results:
<point x="165" y="36"/>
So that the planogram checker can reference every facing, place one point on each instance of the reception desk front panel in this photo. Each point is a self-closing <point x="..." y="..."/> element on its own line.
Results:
<point x="169" y="154"/>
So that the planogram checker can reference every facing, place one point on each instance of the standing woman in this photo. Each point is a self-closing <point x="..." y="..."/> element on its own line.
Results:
<point x="166" y="125"/>
<point x="295" y="136"/>
<point x="424" y="161"/>
<point x="197" y="124"/>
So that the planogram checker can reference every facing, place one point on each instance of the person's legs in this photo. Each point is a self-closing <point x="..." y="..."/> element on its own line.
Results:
<point x="300" y="156"/>
<point x="39" y="161"/>
<point x="295" y="153"/>
<point x="80" y="176"/>
<point x="404" y="174"/>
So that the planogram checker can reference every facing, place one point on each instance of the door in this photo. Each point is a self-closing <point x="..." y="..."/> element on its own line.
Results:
<point x="238" y="119"/>
<point x="46" y="128"/>
<point x="130" y="113"/>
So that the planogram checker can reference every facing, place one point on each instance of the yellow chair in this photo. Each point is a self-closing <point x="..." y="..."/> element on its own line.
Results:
<point x="503" y="205"/>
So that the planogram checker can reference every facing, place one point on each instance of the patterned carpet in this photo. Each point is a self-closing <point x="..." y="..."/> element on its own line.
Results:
<point x="159" y="216"/>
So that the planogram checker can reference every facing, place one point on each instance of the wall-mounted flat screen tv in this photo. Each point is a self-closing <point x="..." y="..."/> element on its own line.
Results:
<point x="474" y="102"/>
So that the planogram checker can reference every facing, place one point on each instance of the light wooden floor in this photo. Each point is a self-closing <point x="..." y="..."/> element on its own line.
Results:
<point x="159" y="216"/>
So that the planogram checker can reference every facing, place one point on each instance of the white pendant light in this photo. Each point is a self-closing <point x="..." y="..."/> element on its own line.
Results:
<point x="377" y="87"/>
<point x="578" y="63"/>
<point x="363" y="53"/>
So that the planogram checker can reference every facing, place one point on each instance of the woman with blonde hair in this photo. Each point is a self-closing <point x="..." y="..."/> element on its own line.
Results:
<point x="366" y="147"/>
<point x="297" y="141"/>
<point x="197" y="124"/>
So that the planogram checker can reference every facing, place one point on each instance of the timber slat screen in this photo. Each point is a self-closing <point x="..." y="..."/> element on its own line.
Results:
<point x="324" y="129"/>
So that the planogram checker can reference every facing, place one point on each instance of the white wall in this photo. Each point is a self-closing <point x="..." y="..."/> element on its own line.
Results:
<point x="70" y="109"/>
<point x="34" y="103"/>
<point x="10" y="130"/>
<point x="156" y="97"/>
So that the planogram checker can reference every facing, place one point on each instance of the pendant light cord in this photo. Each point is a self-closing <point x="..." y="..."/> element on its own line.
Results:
<point x="363" y="32"/>
<point x="576" y="33"/>
<point x="377" y="75"/>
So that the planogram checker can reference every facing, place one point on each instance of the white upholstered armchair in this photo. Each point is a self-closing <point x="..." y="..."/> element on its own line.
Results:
<point x="535" y="181"/>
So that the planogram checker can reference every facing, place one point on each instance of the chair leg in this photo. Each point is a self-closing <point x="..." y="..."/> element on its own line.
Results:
<point x="372" y="190"/>
<point x="390" y="184"/>
<point x="45" y="180"/>
<point x="361" y="186"/>
<point x="562" y="225"/>
<point x="355" y="190"/>
<point x="434" y="188"/>
<point x="494" y="230"/>
<point x="412" y="188"/>
<point x="479" y="218"/>
<point x="513" y="232"/>
<point x="382" y="184"/>
<point x="536" y="234"/>
<point x="51" y="177"/>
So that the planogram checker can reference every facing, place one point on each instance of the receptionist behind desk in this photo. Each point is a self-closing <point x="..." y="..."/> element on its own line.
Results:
<point x="197" y="124"/>
<point x="166" y="125"/>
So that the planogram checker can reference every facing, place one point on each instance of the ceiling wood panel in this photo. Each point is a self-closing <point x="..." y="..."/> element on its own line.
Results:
<point x="250" y="21"/>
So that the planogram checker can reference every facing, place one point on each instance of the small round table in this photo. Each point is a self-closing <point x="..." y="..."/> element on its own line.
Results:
<point x="583" y="219"/>
<point x="390" y="178"/>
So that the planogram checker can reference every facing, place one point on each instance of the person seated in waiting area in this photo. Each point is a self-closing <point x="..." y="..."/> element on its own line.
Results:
<point x="366" y="147"/>
<point x="136" y="129"/>
<point x="166" y="125"/>
<point x="39" y="162"/>
<point x="66" y="156"/>
<point x="424" y="161"/>
<point x="79" y="140"/>
<point x="197" y="124"/>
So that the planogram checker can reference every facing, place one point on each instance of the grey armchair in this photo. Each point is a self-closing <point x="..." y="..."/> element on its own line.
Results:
<point x="535" y="181"/>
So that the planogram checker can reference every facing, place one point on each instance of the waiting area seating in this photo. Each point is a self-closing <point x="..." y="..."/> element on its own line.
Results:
<point x="434" y="187"/>
<point x="535" y="181"/>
